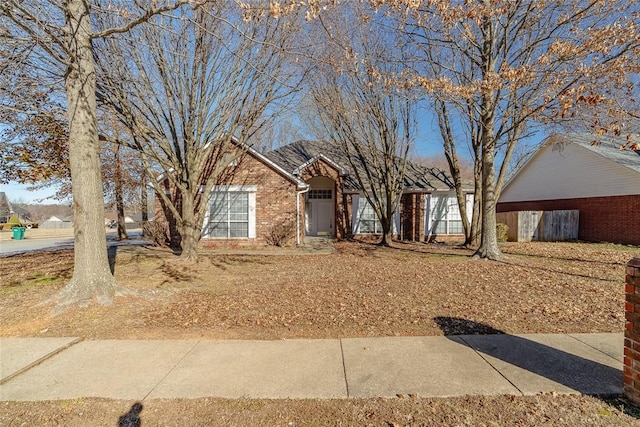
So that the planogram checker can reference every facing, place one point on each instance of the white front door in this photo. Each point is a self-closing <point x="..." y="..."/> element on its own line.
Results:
<point x="320" y="208"/>
<point x="321" y="217"/>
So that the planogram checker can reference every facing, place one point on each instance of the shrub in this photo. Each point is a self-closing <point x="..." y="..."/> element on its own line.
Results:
<point x="158" y="232"/>
<point x="501" y="232"/>
<point x="280" y="234"/>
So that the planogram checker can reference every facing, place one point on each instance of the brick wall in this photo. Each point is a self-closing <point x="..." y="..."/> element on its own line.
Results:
<point x="602" y="219"/>
<point x="412" y="216"/>
<point x="275" y="203"/>
<point x="632" y="332"/>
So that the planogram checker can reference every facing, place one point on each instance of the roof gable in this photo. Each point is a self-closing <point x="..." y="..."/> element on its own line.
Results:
<point x="605" y="146"/>
<point x="298" y="171"/>
<point x="261" y="158"/>
<point x="296" y="157"/>
<point x="570" y="166"/>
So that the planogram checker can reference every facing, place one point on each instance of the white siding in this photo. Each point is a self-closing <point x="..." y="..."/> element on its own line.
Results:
<point x="355" y="218"/>
<point x="569" y="171"/>
<point x="469" y="206"/>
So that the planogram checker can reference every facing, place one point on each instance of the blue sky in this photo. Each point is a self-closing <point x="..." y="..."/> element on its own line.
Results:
<point x="20" y="193"/>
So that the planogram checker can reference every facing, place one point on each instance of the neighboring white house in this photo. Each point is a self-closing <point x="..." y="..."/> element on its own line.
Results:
<point x="586" y="173"/>
<point x="57" y="222"/>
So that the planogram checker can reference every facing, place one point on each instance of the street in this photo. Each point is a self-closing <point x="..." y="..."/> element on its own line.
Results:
<point x="28" y="244"/>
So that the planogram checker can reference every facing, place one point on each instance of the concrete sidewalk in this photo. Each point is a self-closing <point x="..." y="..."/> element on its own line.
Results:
<point x="68" y="368"/>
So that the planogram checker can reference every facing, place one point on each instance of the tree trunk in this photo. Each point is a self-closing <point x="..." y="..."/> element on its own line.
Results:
<point x="451" y="154"/>
<point x="489" y="239"/>
<point x="476" y="222"/>
<point x="144" y="202"/>
<point x="387" y="236"/>
<point x="189" y="229"/>
<point x="92" y="276"/>
<point x="122" y="226"/>
<point x="386" y="218"/>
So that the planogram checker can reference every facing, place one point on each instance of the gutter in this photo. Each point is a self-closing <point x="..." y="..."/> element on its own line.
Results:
<point x="298" y="194"/>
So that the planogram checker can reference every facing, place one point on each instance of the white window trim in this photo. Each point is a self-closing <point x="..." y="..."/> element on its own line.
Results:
<point x="251" y="190"/>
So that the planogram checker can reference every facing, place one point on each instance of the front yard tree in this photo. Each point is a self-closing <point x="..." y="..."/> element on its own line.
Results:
<point x="495" y="68"/>
<point x="370" y="120"/>
<point x="187" y="87"/>
<point x="47" y="34"/>
<point x="34" y="128"/>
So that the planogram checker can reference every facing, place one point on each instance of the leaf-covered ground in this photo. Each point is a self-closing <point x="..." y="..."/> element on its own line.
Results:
<point x="360" y="290"/>
<point x="541" y="410"/>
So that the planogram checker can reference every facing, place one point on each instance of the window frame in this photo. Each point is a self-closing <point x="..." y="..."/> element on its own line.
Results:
<point x="372" y="217"/>
<point x="452" y="218"/>
<point x="358" y="209"/>
<point x="228" y="191"/>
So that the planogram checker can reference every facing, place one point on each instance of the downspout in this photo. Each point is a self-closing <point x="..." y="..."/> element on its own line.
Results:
<point x="298" y="194"/>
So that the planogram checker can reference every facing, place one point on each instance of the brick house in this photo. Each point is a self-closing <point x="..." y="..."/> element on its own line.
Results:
<point x="307" y="189"/>
<point x="585" y="173"/>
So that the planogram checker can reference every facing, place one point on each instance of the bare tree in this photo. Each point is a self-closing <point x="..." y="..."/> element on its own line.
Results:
<point x="612" y="110"/>
<point x="369" y="119"/>
<point x="56" y="37"/>
<point x="493" y="69"/>
<point x="123" y="180"/>
<point x="192" y="89"/>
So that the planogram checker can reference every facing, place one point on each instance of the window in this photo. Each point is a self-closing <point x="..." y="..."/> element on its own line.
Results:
<point x="231" y="215"/>
<point x="365" y="220"/>
<point x="369" y="222"/>
<point x="320" y="194"/>
<point x="444" y="215"/>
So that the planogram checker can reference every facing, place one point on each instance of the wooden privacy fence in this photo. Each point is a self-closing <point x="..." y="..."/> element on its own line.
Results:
<point x="544" y="226"/>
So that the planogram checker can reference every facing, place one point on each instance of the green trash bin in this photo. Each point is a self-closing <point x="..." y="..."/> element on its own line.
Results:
<point x="18" y="233"/>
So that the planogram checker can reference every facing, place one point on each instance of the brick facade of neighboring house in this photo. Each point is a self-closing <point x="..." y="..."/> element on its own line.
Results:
<point x="613" y="219"/>
<point x="585" y="173"/>
<point x="306" y="189"/>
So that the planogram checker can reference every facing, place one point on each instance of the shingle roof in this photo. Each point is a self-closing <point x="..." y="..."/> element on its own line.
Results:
<point x="417" y="178"/>
<point x="605" y="146"/>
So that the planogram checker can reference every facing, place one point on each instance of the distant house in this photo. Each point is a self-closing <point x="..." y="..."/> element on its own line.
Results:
<point x="7" y="211"/>
<point x="309" y="188"/>
<point x="57" y="222"/>
<point x="586" y="173"/>
<point x="22" y="214"/>
<point x="5" y="208"/>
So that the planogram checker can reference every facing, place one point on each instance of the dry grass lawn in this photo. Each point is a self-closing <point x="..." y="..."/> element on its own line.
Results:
<point x="361" y="290"/>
